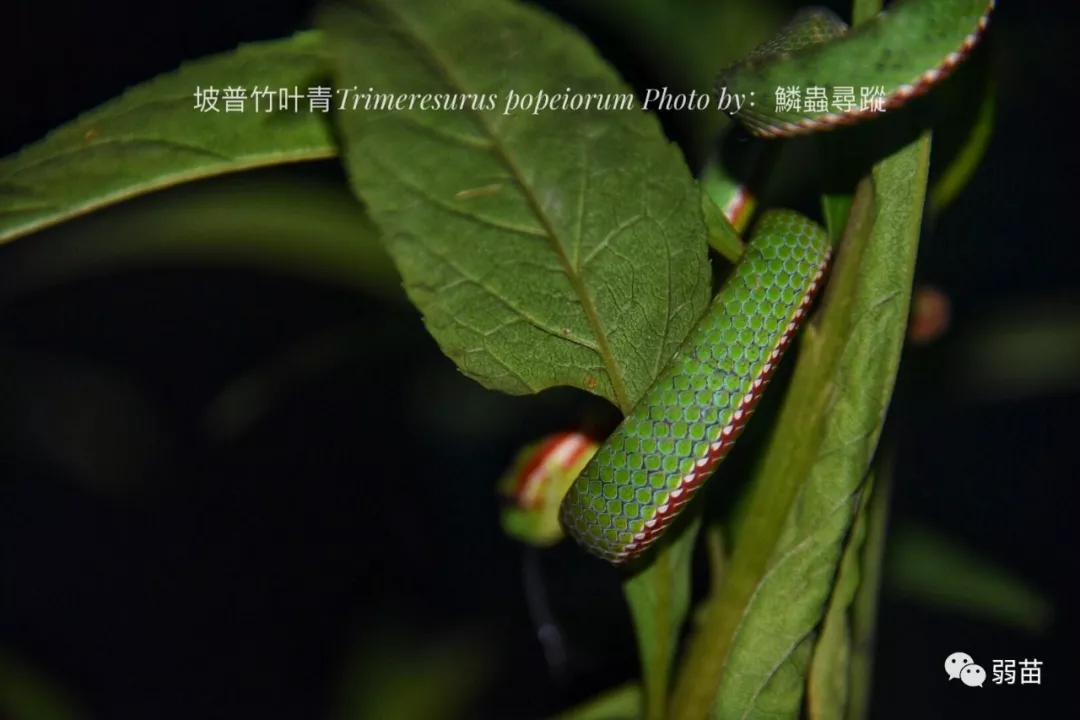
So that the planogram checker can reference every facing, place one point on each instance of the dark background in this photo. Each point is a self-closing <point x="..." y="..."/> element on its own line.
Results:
<point x="232" y="579"/>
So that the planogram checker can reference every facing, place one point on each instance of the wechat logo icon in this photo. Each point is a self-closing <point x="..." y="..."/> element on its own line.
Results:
<point x="961" y="665"/>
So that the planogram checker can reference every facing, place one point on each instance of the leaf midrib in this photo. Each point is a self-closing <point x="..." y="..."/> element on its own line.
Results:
<point x="442" y="66"/>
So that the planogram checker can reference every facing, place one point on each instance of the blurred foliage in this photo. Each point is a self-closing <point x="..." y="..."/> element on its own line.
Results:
<point x="318" y="230"/>
<point x="26" y="694"/>
<point x="928" y="567"/>
<point x="395" y="674"/>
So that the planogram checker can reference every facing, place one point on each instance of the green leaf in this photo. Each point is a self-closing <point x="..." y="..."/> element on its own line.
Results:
<point x="543" y="248"/>
<point x="153" y="137"/>
<point x="314" y="229"/>
<point x="865" y="608"/>
<point x="659" y="598"/>
<point x="754" y="640"/>
<point x="622" y="703"/>
<point x="924" y="565"/>
<point x="835" y="209"/>
<point x="805" y="494"/>
<point x="863" y="10"/>
<point x="827" y="689"/>
<point x="842" y="386"/>
<point x="976" y="140"/>
<point x="722" y="236"/>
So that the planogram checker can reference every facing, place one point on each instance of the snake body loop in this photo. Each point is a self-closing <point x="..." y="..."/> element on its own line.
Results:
<point x="671" y="442"/>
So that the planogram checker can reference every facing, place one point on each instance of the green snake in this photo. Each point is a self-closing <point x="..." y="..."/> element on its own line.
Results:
<point x="636" y="483"/>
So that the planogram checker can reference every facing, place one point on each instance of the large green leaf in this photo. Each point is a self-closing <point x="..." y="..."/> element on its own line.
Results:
<point x="847" y="375"/>
<point x="751" y="654"/>
<point x="154" y="137"/>
<point x="805" y="500"/>
<point x="805" y="494"/>
<point x="543" y="248"/>
<point x="752" y="649"/>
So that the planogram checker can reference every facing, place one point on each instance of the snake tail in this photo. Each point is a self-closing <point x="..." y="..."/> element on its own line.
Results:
<point x="675" y="437"/>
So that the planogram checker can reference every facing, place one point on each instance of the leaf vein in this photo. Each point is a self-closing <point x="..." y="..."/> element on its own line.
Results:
<point x="443" y="67"/>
